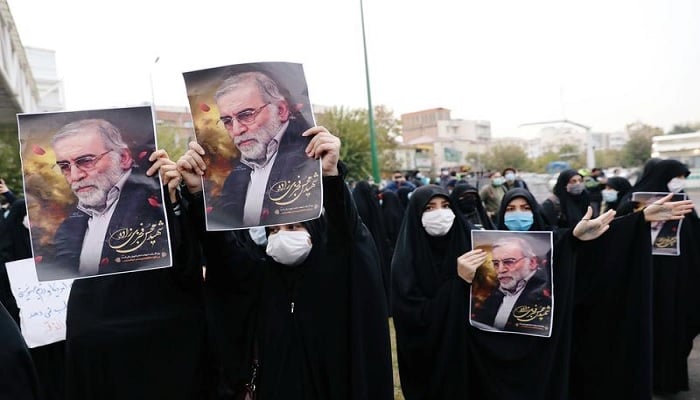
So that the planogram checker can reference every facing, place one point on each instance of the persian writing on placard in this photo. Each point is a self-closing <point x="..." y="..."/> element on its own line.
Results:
<point x="42" y="305"/>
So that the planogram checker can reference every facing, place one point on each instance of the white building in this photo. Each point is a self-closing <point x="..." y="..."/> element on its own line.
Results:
<point x="43" y="65"/>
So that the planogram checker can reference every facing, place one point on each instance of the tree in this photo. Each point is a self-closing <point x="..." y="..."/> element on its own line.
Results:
<point x="685" y="128"/>
<point x="10" y="166"/>
<point x="173" y="139"/>
<point x="637" y="150"/>
<point x="608" y="158"/>
<point x="503" y="156"/>
<point x="352" y="127"/>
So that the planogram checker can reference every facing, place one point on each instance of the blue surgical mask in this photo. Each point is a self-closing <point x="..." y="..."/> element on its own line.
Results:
<point x="497" y="181"/>
<point x="518" y="220"/>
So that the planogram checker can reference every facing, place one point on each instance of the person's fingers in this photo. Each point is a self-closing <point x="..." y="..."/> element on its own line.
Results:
<point x="589" y="213"/>
<point x="196" y="147"/>
<point x="158" y="164"/>
<point x="664" y="199"/>
<point x="158" y="154"/>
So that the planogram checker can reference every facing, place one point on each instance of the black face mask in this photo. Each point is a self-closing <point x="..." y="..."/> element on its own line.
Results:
<point x="467" y="205"/>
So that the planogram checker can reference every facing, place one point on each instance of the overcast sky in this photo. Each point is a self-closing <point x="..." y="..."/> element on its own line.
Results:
<point x="601" y="63"/>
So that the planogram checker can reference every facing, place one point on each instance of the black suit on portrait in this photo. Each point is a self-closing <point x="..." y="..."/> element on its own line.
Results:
<point x="292" y="164"/>
<point x="139" y="210"/>
<point x="536" y="295"/>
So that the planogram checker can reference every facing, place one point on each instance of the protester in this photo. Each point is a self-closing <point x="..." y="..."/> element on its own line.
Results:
<point x="492" y="195"/>
<point x="14" y="243"/>
<point x="392" y="212"/>
<point x="616" y="188"/>
<point x="470" y="206"/>
<point x="320" y="328"/>
<point x="398" y="180"/>
<point x="520" y="211"/>
<point x="439" y="357"/>
<point x="595" y="183"/>
<point x="18" y="380"/>
<point x="568" y="203"/>
<point x="369" y="210"/>
<point x="676" y="305"/>
<point x="512" y="180"/>
<point x="141" y="335"/>
<point x="404" y="193"/>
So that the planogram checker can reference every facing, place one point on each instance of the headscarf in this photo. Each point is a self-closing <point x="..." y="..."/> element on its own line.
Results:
<point x="430" y="304"/>
<point x="478" y="216"/>
<point x="573" y="208"/>
<point x="538" y="223"/>
<point x="622" y="186"/>
<point x="393" y="211"/>
<point x="367" y="204"/>
<point x="657" y="174"/>
<point x="403" y="193"/>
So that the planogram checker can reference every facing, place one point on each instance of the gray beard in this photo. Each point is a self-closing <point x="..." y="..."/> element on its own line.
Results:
<point x="263" y="136"/>
<point x="96" y="198"/>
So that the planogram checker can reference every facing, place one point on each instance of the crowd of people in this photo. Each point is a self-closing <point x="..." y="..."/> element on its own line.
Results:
<point x="301" y="310"/>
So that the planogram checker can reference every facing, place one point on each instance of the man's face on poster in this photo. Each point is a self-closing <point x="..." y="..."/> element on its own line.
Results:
<point x="250" y="121"/>
<point x="512" y="266"/>
<point x="89" y="167"/>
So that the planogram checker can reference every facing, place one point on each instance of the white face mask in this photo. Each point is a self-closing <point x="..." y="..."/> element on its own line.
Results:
<point x="675" y="185"/>
<point x="25" y="222"/>
<point x="609" y="195"/>
<point x="289" y="247"/>
<point x="438" y="222"/>
<point x="258" y="234"/>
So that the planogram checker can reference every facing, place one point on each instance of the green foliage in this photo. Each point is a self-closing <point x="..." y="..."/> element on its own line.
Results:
<point x="10" y="165"/>
<point x="608" y="158"/>
<point x="685" y="128"/>
<point x="173" y="139"/>
<point x="503" y="156"/>
<point x="637" y="150"/>
<point x="352" y="127"/>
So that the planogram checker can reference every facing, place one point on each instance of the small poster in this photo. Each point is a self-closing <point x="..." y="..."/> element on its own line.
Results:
<point x="91" y="207"/>
<point x="42" y="305"/>
<point x="513" y="291"/>
<point x="665" y="235"/>
<point x="249" y="119"/>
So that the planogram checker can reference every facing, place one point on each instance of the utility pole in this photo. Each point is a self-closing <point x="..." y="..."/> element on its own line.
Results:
<point x="370" y="110"/>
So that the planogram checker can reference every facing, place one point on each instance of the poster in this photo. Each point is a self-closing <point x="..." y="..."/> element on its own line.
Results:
<point x="249" y="119"/>
<point x="513" y="290"/>
<point x="92" y="209"/>
<point x="42" y="305"/>
<point x="665" y="235"/>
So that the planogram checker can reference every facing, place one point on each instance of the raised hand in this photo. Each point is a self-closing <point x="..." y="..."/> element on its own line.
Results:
<point x="469" y="262"/>
<point x="168" y="171"/>
<point x="665" y="210"/>
<point x="192" y="166"/>
<point x="589" y="229"/>
<point x="325" y="146"/>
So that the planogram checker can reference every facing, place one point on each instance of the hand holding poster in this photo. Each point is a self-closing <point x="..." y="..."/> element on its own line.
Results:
<point x="665" y="235"/>
<point x="249" y="119"/>
<point x="42" y="305"/>
<point x="513" y="291"/>
<point x="92" y="209"/>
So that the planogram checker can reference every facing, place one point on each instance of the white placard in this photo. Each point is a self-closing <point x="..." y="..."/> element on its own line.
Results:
<point x="42" y="305"/>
